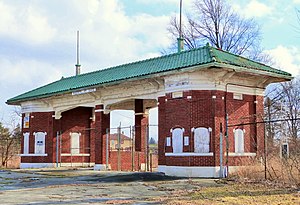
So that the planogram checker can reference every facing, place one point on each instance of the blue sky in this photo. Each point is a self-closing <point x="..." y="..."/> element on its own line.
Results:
<point x="37" y="38"/>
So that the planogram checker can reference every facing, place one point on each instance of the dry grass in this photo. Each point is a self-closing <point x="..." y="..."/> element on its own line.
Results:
<point x="238" y="193"/>
<point x="279" y="171"/>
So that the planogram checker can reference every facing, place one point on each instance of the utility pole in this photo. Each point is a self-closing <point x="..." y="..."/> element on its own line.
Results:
<point x="77" y="66"/>
<point x="180" y="38"/>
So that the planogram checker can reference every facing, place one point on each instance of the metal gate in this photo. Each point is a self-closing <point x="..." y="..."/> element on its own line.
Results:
<point x="120" y="149"/>
<point x="73" y="148"/>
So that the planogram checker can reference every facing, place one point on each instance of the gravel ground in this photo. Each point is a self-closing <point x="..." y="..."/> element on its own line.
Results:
<point x="82" y="186"/>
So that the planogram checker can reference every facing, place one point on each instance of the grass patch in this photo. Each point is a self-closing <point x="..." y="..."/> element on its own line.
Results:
<point x="239" y="194"/>
<point x="5" y="182"/>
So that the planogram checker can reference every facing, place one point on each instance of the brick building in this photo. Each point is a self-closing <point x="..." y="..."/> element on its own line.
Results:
<point x="195" y="92"/>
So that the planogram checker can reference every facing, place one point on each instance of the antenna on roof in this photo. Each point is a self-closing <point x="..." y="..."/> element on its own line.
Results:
<point x="180" y="39"/>
<point x="77" y="64"/>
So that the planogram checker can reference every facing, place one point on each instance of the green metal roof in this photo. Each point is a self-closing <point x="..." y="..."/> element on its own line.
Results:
<point x="200" y="56"/>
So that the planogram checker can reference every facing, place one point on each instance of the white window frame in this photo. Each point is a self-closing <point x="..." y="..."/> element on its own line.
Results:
<point x="239" y="140"/>
<point x="201" y="141"/>
<point x="26" y="142"/>
<point x="75" y="143"/>
<point x="40" y="142"/>
<point x="177" y="141"/>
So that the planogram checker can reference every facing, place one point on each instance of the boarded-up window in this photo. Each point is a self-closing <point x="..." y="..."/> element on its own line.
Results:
<point x="39" y="147"/>
<point x="239" y="140"/>
<point x="201" y="140"/>
<point x="75" y="142"/>
<point x="177" y="140"/>
<point x="26" y="143"/>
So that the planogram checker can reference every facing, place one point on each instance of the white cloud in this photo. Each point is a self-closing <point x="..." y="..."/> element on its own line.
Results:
<point x="254" y="8"/>
<point x="25" y="23"/>
<point x="286" y="58"/>
<point x="43" y="35"/>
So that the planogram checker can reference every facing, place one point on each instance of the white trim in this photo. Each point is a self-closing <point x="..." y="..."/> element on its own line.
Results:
<point x="100" y="167"/>
<point x="183" y="171"/>
<point x="26" y="136"/>
<point x="187" y="154"/>
<point x="199" y="81"/>
<point x="74" y="155"/>
<point x="77" y="164"/>
<point x="244" y="154"/>
<point x="33" y="155"/>
<point x="36" y="165"/>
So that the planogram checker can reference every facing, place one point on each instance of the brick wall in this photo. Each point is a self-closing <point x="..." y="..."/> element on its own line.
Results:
<point x="76" y="120"/>
<point x="39" y="122"/>
<point x="207" y="109"/>
<point x="126" y="160"/>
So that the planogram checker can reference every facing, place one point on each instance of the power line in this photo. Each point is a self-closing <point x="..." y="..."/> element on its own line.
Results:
<point x="265" y="121"/>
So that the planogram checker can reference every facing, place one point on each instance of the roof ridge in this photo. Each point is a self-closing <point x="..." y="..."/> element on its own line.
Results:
<point x="248" y="59"/>
<point x="178" y="60"/>
<point x="135" y="62"/>
<point x="211" y="53"/>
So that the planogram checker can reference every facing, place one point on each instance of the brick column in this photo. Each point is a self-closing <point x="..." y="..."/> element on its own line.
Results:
<point x="138" y="109"/>
<point x="102" y="122"/>
<point x="161" y="131"/>
<point x="219" y="119"/>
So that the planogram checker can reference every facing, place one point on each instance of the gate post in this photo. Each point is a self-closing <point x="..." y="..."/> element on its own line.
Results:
<point x="102" y="122"/>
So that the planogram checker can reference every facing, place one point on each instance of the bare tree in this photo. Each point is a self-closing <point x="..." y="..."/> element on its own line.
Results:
<point x="215" y="22"/>
<point x="285" y="104"/>
<point x="9" y="143"/>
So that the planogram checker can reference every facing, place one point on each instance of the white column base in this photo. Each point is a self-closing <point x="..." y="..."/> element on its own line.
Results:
<point x="77" y="164"/>
<point x="204" y="172"/>
<point x="100" y="167"/>
<point x="36" y="165"/>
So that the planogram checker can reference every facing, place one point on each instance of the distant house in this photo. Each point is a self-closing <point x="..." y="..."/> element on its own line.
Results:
<point x="125" y="142"/>
<point x="197" y="92"/>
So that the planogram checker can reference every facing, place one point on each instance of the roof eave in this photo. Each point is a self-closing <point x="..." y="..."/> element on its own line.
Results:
<point x="255" y="72"/>
<point x="160" y="74"/>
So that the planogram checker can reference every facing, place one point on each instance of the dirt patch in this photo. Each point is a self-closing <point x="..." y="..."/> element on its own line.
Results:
<point x="81" y="186"/>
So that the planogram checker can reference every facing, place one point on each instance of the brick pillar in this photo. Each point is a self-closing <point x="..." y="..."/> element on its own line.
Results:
<point x="92" y="138"/>
<point x="102" y="122"/>
<point x="138" y="109"/>
<point x="161" y="130"/>
<point x="219" y="125"/>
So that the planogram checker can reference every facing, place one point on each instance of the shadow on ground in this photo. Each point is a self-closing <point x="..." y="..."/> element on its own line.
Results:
<point x="138" y="176"/>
